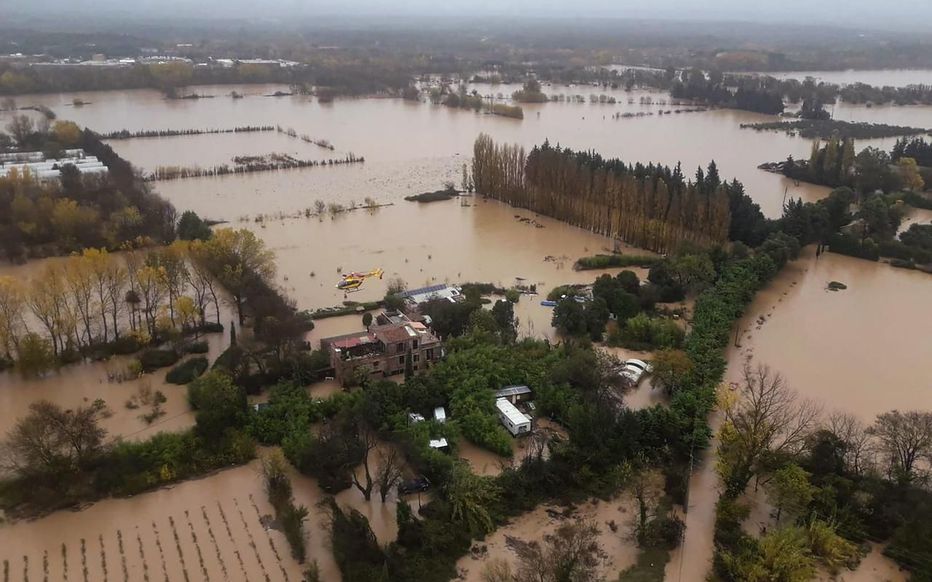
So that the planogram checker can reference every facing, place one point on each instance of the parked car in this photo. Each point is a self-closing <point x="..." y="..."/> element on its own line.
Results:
<point x="634" y="370"/>
<point x="416" y="485"/>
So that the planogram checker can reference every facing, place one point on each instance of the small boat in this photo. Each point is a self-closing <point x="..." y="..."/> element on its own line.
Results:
<point x="548" y="303"/>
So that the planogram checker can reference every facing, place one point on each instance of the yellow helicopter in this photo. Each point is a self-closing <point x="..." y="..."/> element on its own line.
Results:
<point x="353" y="281"/>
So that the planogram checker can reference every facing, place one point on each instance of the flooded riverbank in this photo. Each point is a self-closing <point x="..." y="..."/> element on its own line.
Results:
<point x="863" y="350"/>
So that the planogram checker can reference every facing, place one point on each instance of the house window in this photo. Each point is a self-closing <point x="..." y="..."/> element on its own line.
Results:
<point x="416" y="357"/>
<point x="400" y="347"/>
<point x="415" y="344"/>
<point x="430" y="354"/>
<point x="401" y="360"/>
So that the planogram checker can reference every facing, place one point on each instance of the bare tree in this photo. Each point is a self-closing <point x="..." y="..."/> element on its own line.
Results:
<point x="767" y="417"/>
<point x="368" y="442"/>
<point x="536" y="445"/>
<point x="647" y="488"/>
<point x="571" y="554"/>
<point x="854" y="434"/>
<point x="54" y="441"/>
<point x="903" y="439"/>
<point x="21" y="128"/>
<point x="389" y="474"/>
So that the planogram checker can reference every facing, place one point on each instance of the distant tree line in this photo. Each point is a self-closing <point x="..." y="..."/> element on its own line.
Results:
<point x="828" y="128"/>
<point x="351" y="76"/>
<point x="653" y="207"/>
<point x="126" y="134"/>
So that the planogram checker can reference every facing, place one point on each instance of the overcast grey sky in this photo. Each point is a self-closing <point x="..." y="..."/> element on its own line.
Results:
<point x="912" y="14"/>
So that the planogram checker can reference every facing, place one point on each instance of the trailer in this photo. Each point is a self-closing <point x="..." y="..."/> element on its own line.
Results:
<point x="511" y="418"/>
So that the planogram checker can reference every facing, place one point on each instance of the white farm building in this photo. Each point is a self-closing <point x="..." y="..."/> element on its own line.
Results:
<point x="43" y="169"/>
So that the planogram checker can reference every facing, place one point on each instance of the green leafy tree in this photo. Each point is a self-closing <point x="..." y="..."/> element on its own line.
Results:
<point x="790" y="490"/>
<point x="569" y="317"/>
<point x="470" y="497"/>
<point x="219" y="404"/>
<point x="671" y="369"/>
<point x="873" y="170"/>
<point x="504" y="314"/>
<point x="191" y="227"/>
<point x="36" y="356"/>
<point x="355" y="547"/>
<point x="784" y="557"/>
<point x="692" y="272"/>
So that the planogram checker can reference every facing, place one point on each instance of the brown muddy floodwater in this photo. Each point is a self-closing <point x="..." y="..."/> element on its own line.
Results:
<point x="620" y="549"/>
<point x="863" y="350"/>
<point x="427" y="244"/>
<point x="82" y="383"/>
<point x="412" y="147"/>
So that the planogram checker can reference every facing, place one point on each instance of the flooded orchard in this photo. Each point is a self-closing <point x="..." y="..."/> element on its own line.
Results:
<point x="219" y="527"/>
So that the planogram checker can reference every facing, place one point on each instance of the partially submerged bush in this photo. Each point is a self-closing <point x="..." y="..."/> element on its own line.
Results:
<point x="187" y="371"/>
<point x="155" y="358"/>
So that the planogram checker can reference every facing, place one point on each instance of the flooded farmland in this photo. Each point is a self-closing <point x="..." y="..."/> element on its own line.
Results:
<point x="213" y="528"/>
<point x="413" y="147"/>
<point x="863" y="350"/>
